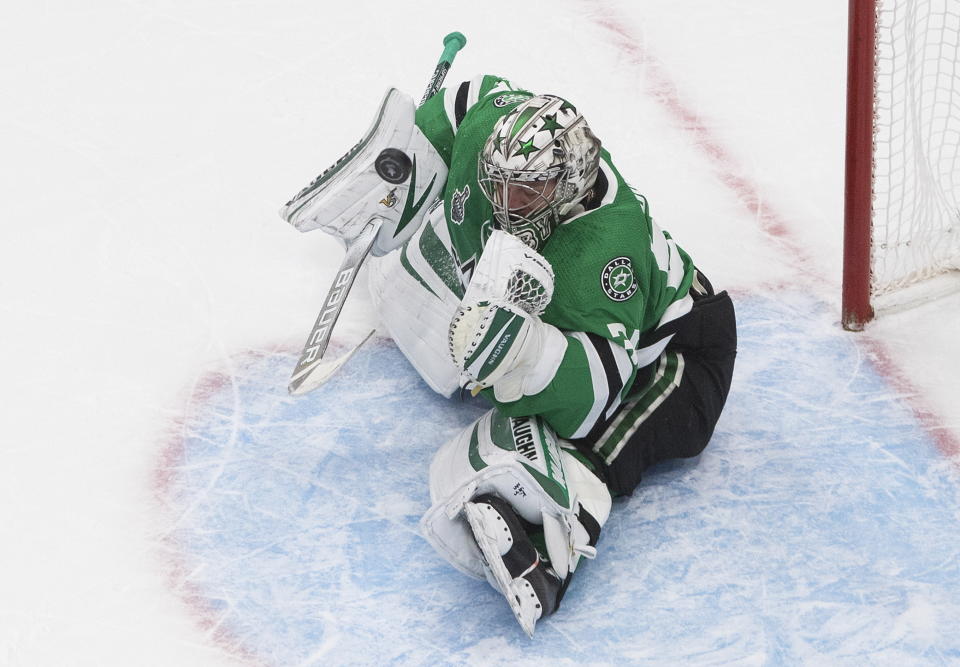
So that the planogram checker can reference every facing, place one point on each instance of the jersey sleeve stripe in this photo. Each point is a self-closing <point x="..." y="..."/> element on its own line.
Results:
<point x="618" y="369"/>
<point x="449" y="101"/>
<point x="626" y="369"/>
<point x="653" y="342"/>
<point x="473" y="94"/>
<point x="649" y="352"/>
<point x="599" y="382"/>
<point x="460" y="105"/>
<point x="677" y="309"/>
<point x="667" y="255"/>
<point x="676" y="271"/>
<point x="608" y="358"/>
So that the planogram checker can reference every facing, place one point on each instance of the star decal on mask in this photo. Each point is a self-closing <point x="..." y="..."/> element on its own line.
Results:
<point x="551" y="125"/>
<point x="526" y="147"/>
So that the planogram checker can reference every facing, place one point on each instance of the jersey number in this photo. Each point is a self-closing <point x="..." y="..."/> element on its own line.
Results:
<point x="628" y="342"/>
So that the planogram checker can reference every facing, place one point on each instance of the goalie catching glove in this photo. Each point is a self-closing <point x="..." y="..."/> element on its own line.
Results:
<point x="500" y="488"/>
<point x="497" y="338"/>
<point x="389" y="175"/>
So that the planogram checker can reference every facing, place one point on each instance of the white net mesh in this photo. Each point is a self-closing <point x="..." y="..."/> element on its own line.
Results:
<point x="528" y="292"/>
<point x="916" y="216"/>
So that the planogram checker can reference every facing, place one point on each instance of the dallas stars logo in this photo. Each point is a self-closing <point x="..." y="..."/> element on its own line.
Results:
<point x="617" y="279"/>
<point x="507" y="99"/>
<point x="620" y="278"/>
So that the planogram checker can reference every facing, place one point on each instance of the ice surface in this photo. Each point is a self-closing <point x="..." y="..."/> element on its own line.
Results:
<point x="151" y="296"/>
<point x="813" y="529"/>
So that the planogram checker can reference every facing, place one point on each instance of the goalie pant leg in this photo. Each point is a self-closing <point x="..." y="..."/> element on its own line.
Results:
<point x="682" y="396"/>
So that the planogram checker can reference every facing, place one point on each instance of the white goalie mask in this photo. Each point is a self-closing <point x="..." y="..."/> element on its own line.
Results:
<point x="536" y="167"/>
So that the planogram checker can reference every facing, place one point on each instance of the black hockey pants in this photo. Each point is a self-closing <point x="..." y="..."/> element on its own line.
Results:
<point x="681" y="425"/>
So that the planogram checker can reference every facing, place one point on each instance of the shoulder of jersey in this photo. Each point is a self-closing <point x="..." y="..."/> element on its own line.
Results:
<point x="483" y="92"/>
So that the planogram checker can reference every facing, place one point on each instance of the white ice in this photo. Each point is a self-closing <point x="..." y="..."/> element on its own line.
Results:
<point x="144" y="151"/>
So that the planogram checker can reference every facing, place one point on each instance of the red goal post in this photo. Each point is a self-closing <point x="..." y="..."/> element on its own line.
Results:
<point x="902" y="187"/>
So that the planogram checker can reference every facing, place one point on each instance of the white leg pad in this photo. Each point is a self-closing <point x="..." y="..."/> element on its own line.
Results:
<point x="521" y="461"/>
<point x="416" y="311"/>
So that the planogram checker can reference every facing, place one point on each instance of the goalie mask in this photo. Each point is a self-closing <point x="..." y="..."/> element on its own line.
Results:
<point x="536" y="167"/>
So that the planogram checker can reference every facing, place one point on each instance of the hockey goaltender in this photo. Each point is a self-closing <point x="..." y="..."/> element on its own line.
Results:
<point x="510" y="258"/>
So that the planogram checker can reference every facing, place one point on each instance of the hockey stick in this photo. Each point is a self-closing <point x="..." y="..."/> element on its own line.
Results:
<point x="312" y="370"/>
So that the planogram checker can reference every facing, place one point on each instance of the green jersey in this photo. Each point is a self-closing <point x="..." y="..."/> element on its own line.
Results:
<point x="618" y="275"/>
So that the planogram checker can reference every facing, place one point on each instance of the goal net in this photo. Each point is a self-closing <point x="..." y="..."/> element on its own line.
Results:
<point x="903" y="150"/>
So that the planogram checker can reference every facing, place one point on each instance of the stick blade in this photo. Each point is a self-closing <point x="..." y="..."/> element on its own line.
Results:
<point x="321" y="370"/>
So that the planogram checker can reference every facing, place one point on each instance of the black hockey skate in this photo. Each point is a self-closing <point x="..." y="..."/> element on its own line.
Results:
<point x="514" y="565"/>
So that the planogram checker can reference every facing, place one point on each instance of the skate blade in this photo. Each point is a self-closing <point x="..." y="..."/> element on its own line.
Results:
<point x="519" y="592"/>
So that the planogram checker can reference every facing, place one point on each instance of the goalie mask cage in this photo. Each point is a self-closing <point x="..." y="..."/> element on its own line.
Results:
<point x="902" y="216"/>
